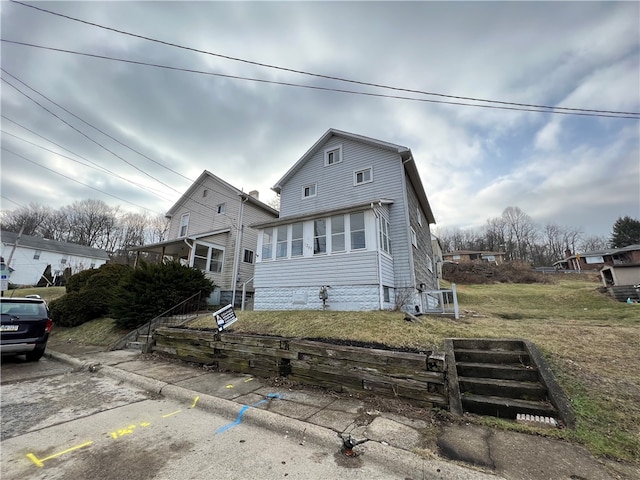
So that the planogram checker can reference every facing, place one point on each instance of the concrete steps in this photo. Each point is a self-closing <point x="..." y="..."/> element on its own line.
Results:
<point x="499" y="378"/>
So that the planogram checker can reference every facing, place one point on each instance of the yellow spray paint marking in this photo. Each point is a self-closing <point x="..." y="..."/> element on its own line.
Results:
<point x="195" y="400"/>
<point x="248" y="380"/>
<point x="127" y="431"/>
<point x="172" y="413"/>
<point x="40" y="462"/>
<point x="229" y="386"/>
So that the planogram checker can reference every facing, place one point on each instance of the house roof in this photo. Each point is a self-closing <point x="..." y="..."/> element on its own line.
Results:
<point x="471" y="252"/>
<point x="404" y="153"/>
<point x="198" y="182"/>
<point x="39" y="243"/>
<point x="176" y="246"/>
<point x="600" y="253"/>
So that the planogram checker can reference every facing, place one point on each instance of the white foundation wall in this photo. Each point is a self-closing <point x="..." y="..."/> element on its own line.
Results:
<point x="342" y="298"/>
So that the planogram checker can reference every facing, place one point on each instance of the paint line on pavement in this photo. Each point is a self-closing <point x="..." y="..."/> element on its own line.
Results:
<point x="195" y="400"/>
<point x="226" y="427"/>
<point x="40" y="462"/>
<point x="171" y="414"/>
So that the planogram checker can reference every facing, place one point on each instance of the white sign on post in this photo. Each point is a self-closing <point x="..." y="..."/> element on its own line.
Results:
<point x="225" y="317"/>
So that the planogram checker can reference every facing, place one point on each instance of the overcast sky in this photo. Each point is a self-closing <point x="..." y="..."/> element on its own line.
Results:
<point x="578" y="171"/>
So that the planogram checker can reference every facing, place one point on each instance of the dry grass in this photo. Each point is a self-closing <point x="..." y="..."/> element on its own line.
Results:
<point x="591" y="341"/>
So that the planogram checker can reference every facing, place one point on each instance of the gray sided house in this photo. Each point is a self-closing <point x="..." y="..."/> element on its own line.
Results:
<point x="354" y="218"/>
<point x="209" y="229"/>
<point x="30" y="257"/>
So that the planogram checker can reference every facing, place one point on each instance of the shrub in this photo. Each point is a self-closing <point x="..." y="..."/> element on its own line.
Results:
<point x="509" y="272"/>
<point x="151" y="289"/>
<point x="74" y="308"/>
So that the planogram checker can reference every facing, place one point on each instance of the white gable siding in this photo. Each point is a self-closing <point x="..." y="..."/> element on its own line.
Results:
<point x="335" y="187"/>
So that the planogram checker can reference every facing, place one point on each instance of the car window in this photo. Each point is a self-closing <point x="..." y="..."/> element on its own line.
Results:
<point x="24" y="309"/>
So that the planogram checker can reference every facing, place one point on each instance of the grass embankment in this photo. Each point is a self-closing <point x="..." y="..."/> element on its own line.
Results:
<point x="591" y="341"/>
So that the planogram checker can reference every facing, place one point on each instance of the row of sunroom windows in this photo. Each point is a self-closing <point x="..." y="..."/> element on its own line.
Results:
<point x="336" y="234"/>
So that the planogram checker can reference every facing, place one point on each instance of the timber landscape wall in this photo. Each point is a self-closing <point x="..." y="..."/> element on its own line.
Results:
<point x="419" y="378"/>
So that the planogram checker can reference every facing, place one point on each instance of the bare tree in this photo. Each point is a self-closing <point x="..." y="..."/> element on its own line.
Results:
<point x="157" y="229"/>
<point x="90" y="221"/>
<point x="594" y="243"/>
<point x="29" y="218"/>
<point x="521" y="233"/>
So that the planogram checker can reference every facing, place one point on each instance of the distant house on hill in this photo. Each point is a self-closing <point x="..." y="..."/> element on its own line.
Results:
<point x="32" y="256"/>
<point x="209" y="230"/>
<point x="595" y="260"/>
<point x="353" y="229"/>
<point x="466" y="256"/>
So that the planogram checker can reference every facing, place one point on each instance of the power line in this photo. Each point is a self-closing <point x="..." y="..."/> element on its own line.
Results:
<point x="77" y="181"/>
<point x="92" y="164"/>
<point x="623" y="115"/>
<point x="94" y="127"/>
<point x="329" y="77"/>
<point x="13" y="201"/>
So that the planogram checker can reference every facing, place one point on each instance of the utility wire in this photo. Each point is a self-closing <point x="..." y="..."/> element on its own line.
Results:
<point x="92" y="165"/>
<point x="95" y="128"/>
<point x="13" y="201"/>
<point x="624" y="115"/>
<point x="77" y="181"/>
<point x="329" y="77"/>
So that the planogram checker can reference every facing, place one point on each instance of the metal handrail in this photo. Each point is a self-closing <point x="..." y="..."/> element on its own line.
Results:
<point x="157" y="319"/>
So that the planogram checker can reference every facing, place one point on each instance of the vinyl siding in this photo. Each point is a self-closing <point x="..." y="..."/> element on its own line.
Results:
<point x="423" y="252"/>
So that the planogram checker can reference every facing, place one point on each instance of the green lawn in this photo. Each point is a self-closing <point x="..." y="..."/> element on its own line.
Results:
<point x="591" y="341"/>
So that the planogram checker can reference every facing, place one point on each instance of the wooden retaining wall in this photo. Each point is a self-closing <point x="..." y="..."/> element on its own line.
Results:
<point x="418" y="378"/>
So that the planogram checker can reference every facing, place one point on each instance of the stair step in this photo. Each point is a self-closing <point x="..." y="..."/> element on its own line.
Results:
<point x="487" y="344"/>
<point x="497" y="370"/>
<point x="514" y="357"/>
<point x="503" y="388"/>
<point x="134" y="345"/>
<point x="505" y="407"/>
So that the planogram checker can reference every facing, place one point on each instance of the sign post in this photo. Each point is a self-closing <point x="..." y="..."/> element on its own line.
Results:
<point x="225" y="317"/>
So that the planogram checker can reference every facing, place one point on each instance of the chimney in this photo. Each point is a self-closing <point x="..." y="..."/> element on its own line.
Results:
<point x="255" y="194"/>
<point x="567" y="253"/>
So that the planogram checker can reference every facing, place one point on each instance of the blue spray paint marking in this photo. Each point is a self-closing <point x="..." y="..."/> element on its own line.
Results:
<point x="224" y="428"/>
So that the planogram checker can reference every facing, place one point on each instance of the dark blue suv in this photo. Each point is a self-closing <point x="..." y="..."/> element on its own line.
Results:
<point x="25" y="327"/>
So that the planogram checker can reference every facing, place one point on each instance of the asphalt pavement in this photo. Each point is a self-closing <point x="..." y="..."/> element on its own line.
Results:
<point x="455" y="450"/>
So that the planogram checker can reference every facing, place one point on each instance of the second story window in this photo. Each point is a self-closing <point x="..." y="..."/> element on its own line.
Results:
<point x="36" y="254"/>
<point x="184" y="225"/>
<point x="363" y="176"/>
<point x="248" y="256"/>
<point x="220" y="208"/>
<point x="309" y="191"/>
<point x="64" y="259"/>
<point x="414" y="237"/>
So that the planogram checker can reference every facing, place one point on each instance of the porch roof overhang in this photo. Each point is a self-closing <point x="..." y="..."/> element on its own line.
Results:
<point x="324" y="213"/>
<point x="179" y="247"/>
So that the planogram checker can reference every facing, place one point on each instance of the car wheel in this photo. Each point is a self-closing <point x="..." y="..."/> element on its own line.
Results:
<point x="35" y="355"/>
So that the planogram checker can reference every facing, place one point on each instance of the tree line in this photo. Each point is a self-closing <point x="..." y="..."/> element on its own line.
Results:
<point x="89" y="222"/>
<point x="520" y="238"/>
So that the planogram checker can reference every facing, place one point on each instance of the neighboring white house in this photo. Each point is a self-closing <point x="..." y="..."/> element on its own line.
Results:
<point x="354" y="219"/>
<point x="30" y="256"/>
<point x="205" y="225"/>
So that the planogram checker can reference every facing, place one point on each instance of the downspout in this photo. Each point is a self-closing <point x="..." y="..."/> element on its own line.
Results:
<point x="379" y="259"/>
<point x="236" y="262"/>
<point x="191" y="251"/>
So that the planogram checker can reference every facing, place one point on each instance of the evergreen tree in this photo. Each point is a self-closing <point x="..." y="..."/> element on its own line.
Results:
<point x="626" y="231"/>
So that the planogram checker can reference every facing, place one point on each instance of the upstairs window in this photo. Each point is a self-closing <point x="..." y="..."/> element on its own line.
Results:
<point x="297" y="239"/>
<point x="333" y="156"/>
<point x="184" y="225"/>
<point x="357" y="231"/>
<point x="419" y="217"/>
<point x="319" y="236"/>
<point x="64" y="259"/>
<point x="220" y="208"/>
<point x="248" y="256"/>
<point x="309" y="191"/>
<point x="36" y="254"/>
<point x="363" y="176"/>
<point x="414" y="238"/>
<point x="204" y="193"/>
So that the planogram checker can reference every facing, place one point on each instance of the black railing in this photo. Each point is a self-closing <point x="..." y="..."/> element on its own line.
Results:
<point x="176" y="315"/>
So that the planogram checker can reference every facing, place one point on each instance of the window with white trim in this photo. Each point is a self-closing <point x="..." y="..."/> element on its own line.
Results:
<point x="208" y="258"/>
<point x="385" y="241"/>
<point x="363" y="176"/>
<point x="429" y="263"/>
<point x="386" y="295"/>
<point x="184" y="225"/>
<point x="414" y="238"/>
<point x="64" y="259"/>
<point x="248" y="256"/>
<point x="332" y="156"/>
<point x="309" y="191"/>
<point x="337" y="234"/>
<point x="36" y="254"/>
<point x="281" y="241"/>
<point x="205" y="192"/>
<point x="297" y="239"/>
<point x="220" y="208"/>
<point x="319" y="236"/>
<point x="267" y="243"/>
<point x="358" y="239"/>
<point x="419" y="216"/>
